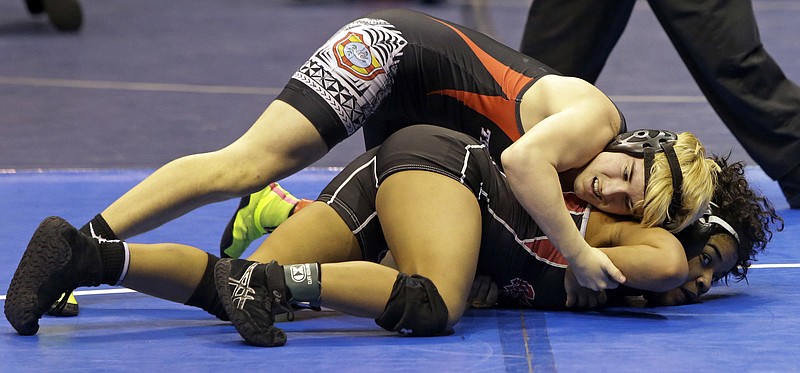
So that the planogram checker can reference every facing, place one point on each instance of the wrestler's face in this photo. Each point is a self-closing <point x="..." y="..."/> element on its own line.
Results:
<point x="712" y="263"/>
<point x="612" y="182"/>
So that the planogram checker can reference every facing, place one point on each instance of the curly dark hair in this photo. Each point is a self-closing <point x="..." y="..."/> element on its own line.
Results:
<point x="750" y="214"/>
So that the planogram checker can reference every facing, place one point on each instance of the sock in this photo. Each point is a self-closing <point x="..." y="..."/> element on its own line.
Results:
<point x="303" y="283"/>
<point x="113" y="252"/>
<point x="98" y="228"/>
<point x="205" y="295"/>
<point x="116" y="259"/>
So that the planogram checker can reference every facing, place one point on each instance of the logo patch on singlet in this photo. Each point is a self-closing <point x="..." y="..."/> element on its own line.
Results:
<point x="353" y="71"/>
<point x="520" y="290"/>
<point x="353" y="55"/>
<point x="486" y="135"/>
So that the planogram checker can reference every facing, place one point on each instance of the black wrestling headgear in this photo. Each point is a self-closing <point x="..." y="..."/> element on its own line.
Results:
<point x="645" y="144"/>
<point x="696" y="236"/>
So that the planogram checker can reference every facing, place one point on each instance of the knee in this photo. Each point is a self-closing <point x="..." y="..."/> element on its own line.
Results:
<point x="247" y="166"/>
<point x="415" y="307"/>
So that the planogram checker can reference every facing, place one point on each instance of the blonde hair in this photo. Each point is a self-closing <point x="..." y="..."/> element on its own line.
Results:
<point x="699" y="180"/>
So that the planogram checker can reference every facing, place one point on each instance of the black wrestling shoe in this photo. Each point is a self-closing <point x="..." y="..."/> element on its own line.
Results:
<point x="58" y="259"/>
<point x="65" y="15"/>
<point x="35" y="6"/>
<point x="791" y="190"/>
<point x="252" y="294"/>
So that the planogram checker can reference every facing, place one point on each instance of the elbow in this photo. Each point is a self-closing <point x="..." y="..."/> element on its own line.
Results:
<point x="513" y="159"/>
<point x="672" y="273"/>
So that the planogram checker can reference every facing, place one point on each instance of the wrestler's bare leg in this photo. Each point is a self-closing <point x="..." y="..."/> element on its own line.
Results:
<point x="432" y="224"/>
<point x="281" y="142"/>
<point x="314" y="234"/>
<point x="317" y="234"/>
<point x="172" y="271"/>
<point x="168" y="271"/>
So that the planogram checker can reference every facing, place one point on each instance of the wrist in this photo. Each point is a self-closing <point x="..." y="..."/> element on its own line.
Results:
<point x="574" y="252"/>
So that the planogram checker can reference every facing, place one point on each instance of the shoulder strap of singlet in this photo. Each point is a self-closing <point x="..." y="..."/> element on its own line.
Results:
<point x="579" y="209"/>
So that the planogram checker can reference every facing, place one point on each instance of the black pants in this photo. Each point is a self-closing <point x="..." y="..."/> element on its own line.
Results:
<point x="718" y="41"/>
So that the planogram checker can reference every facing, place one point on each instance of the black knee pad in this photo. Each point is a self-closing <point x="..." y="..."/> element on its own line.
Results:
<point x="415" y="307"/>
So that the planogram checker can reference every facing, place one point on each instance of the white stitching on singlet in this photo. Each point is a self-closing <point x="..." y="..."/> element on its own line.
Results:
<point x="438" y="170"/>
<point x="465" y="164"/>
<point x="353" y="217"/>
<point x="350" y="177"/>
<point x="418" y="167"/>
<point x="522" y="242"/>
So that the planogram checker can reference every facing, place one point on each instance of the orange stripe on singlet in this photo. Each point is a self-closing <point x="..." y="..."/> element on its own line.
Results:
<point x="500" y="110"/>
<point x="544" y="249"/>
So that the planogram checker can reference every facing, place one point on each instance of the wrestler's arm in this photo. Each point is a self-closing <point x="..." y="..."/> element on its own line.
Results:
<point x="651" y="258"/>
<point x="573" y="123"/>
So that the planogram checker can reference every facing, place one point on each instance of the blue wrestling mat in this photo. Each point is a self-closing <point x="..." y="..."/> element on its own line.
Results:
<point x="120" y="330"/>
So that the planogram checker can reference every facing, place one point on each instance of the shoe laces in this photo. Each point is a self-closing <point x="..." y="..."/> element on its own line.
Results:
<point x="278" y="294"/>
<point x="283" y="307"/>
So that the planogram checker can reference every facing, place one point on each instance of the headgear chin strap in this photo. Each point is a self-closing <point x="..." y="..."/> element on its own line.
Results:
<point x="645" y="144"/>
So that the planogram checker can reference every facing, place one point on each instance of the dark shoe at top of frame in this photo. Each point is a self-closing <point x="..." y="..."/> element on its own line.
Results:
<point x="58" y="259"/>
<point x="790" y="186"/>
<point x="65" y="15"/>
<point x="35" y="6"/>
<point x="252" y="294"/>
<point x="791" y="191"/>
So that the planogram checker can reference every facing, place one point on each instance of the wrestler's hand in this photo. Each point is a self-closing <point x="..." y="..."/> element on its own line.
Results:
<point x="483" y="293"/>
<point x="594" y="270"/>
<point x="579" y="296"/>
